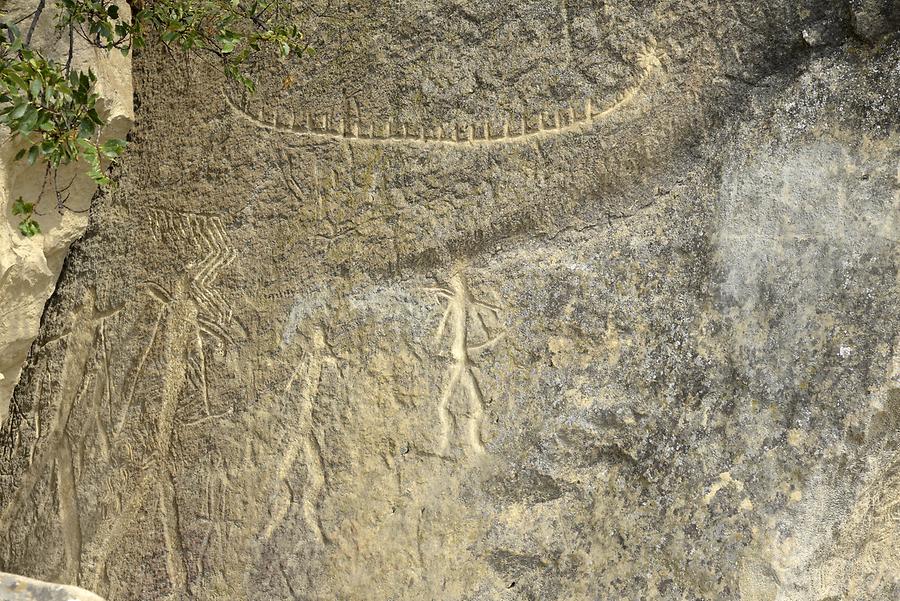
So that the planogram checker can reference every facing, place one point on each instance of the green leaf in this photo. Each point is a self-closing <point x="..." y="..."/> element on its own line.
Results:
<point x="15" y="79"/>
<point x="33" y="153"/>
<point x="112" y="148"/>
<point x="29" y="120"/>
<point x="227" y="45"/>
<point x="20" y="207"/>
<point x="86" y="147"/>
<point x="86" y="129"/>
<point x="29" y="227"/>
<point x="18" y="111"/>
<point x="98" y="177"/>
<point x="14" y="32"/>
<point x="44" y="123"/>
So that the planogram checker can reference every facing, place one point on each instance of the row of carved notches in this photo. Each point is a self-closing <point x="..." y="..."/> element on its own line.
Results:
<point x="524" y="126"/>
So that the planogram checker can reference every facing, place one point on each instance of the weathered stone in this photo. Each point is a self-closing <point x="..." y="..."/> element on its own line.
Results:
<point x="873" y="19"/>
<point x="365" y="335"/>
<point x="29" y="267"/>
<point x="18" y="588"/>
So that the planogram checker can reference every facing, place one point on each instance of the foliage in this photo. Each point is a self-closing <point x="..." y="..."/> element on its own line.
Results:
<point x="54" y="113"/>
<point x="230" y="30"/>
<point x="28" y="226"/>
<point x="52" y="108"/>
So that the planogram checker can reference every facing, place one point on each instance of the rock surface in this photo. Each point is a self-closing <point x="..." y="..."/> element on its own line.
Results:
<point x="29" y="267"/>
<point x="17" y="588"/>
<point x="531" y="300"/>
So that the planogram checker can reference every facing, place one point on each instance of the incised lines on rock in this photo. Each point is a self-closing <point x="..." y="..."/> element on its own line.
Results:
<point x="204" y="234"/>
<point x="463" y="308"/>
<point x="190" y="309"/>
<point x="303" y="442"/>
<point x="580" y="117"/>
<point x="218" y="514"/>
<point x="56" y="452"/>
<point x="176" y="341"/>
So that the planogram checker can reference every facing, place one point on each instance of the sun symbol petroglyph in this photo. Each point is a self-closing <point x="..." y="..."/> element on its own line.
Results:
<point x="463" y="317"/>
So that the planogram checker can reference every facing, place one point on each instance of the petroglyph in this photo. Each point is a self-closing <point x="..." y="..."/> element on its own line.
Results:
<point x="177" y="333"/>
<point x="567" y="26"/>
<point x="580" y="116"/>
<point x="70" y="522"/>
<point x="168" y="513"/>
<point x="215" y="514"/>
<point x="548" y="419"/>
<point x="56" y="451"/>
<point x="195" y="233"/>
<point x="462" y="310"/>
<point x="180" y="333"/>
<point x="110" y="532"/>
<point x="103" y="415"/>
<point x="180" y="323"/>
<point x="304" y="443"/>
<point x="129" y="397"/>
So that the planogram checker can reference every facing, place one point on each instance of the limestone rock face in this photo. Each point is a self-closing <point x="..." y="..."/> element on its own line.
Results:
<point x="17" y="588"/>
<point x="486" y="301"/>
<point x="29" y="267"/>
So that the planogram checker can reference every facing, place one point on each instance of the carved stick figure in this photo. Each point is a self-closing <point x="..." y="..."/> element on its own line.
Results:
<point x="462" y="307"/>
<point x="179" y="328"/>
<point x="182" y="321"/>
<point x="304" y="443"/>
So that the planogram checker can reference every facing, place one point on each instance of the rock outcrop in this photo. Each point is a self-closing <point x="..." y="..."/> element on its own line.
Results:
<point x="17" y="588"/>
<point x="486" y="301"/>
<point x="29" y="267"/>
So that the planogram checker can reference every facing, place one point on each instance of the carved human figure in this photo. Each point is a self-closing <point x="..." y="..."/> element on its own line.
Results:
<point x="303" y="443"/>
<point x="178" y="329"/>
<point x="463" y="308"/>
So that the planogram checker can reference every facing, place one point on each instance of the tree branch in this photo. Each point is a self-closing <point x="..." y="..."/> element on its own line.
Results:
<point x="34" y="21"/>
<point x="71" y="49"/>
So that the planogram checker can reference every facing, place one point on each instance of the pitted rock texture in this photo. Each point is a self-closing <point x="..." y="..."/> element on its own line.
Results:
<point x="653" y="354"/>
